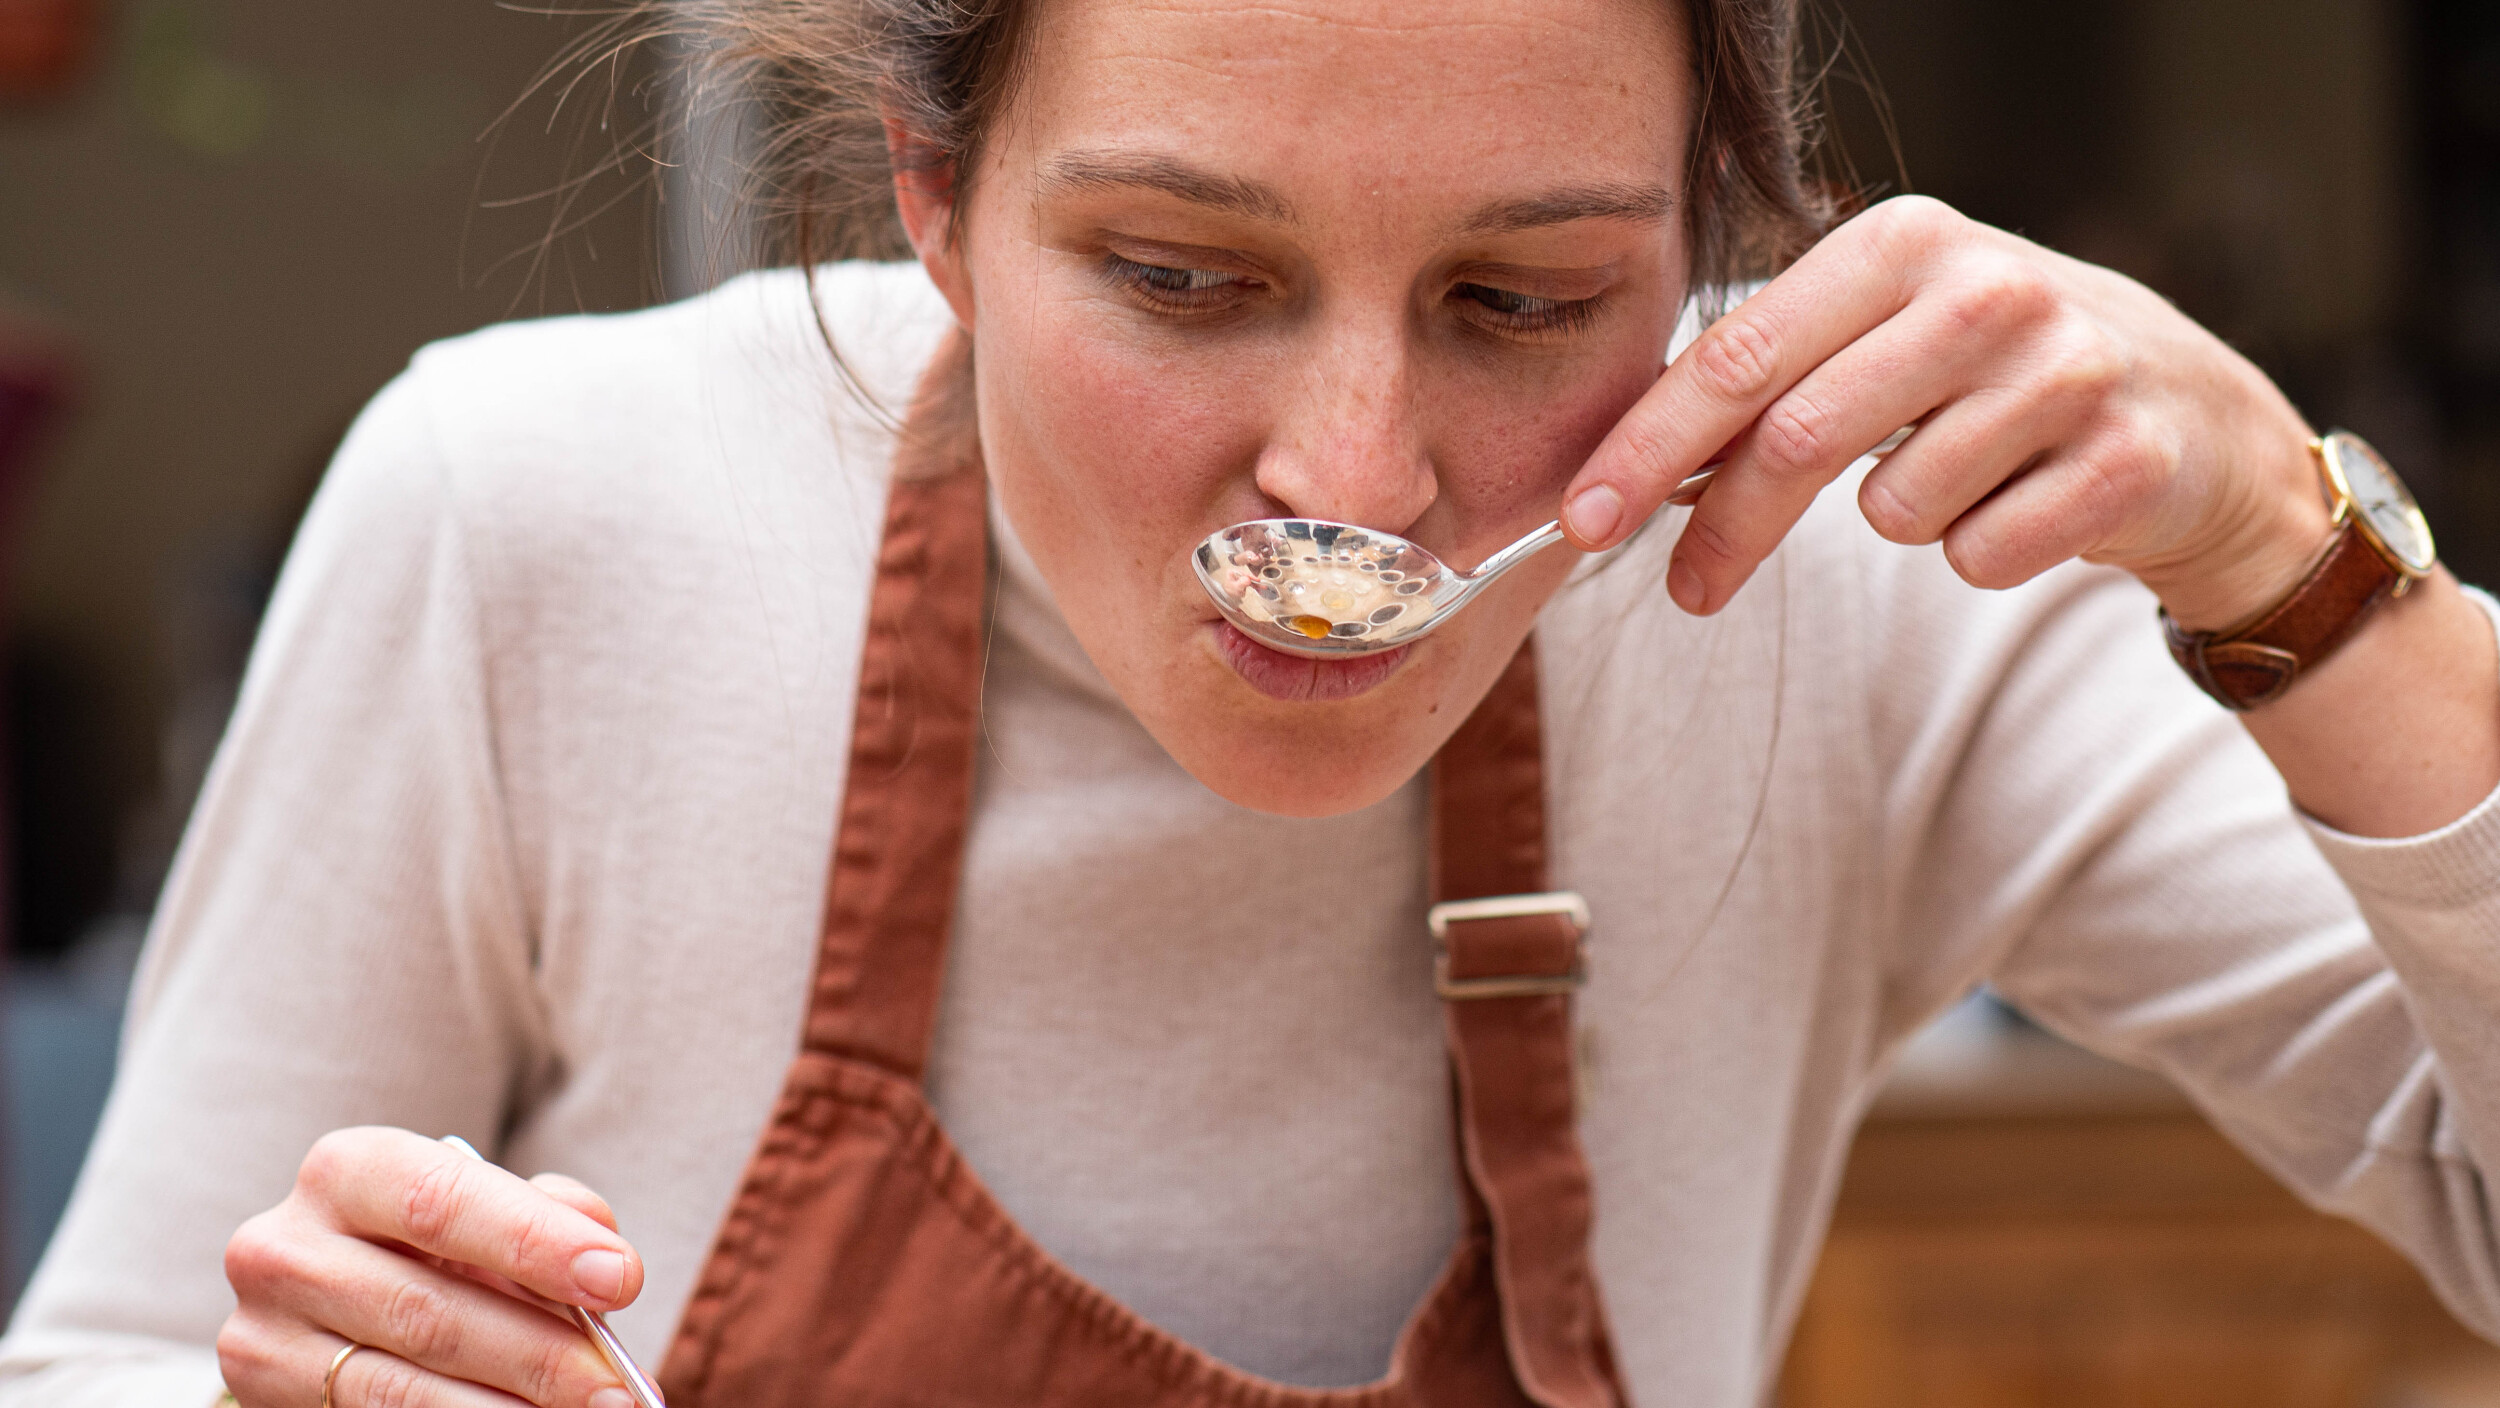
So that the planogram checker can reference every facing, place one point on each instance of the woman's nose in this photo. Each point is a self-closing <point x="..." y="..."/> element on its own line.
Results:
<point x="1348" y="443"/>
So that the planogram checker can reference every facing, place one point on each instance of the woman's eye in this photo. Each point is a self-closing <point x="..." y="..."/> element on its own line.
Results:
<point x="1518" y="312"/>
<point x="1176" y="288"/>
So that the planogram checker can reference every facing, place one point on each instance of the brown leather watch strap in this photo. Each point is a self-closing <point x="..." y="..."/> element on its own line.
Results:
<point x="2254" y="662"/>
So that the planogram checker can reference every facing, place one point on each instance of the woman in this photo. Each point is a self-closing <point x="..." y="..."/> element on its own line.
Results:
<point x="520" y="832"/>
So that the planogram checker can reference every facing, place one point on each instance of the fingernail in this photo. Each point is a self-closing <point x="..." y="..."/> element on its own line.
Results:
<point x="611" y="1397"/>
<point x="1684" y="584"/>
<point x="1592" y="515"/>
<point x="600" y="1274"/>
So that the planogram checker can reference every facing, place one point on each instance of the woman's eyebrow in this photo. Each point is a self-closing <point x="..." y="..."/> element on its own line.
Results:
<point x="1605" y="201"/>
<point x="1104" y="170"/>
<point x="1095" y="171"/>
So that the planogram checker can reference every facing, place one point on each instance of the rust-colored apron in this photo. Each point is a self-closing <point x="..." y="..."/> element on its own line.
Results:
<point x="863" y="1265"/>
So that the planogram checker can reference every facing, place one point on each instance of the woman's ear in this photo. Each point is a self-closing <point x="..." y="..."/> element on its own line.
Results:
<point x="924" y="193"/>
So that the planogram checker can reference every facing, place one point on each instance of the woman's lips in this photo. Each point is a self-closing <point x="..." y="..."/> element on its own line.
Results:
<point x="1297" y="680"/>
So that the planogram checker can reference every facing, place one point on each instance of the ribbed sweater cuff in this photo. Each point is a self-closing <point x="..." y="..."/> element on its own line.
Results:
<point x="2449" y="868"/>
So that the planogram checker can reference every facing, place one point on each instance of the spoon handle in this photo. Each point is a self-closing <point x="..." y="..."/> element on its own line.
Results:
<point x="1690" y="490"/>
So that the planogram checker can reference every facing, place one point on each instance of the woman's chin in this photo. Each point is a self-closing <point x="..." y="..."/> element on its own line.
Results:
<point x="1308" y="737"/>
<point x="1294" y="679"/>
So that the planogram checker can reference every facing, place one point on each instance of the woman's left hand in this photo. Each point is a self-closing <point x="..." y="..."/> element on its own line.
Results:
<point x="2063" y="411"/>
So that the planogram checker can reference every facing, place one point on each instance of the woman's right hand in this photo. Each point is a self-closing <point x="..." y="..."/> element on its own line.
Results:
<point x="433" y="1261"/>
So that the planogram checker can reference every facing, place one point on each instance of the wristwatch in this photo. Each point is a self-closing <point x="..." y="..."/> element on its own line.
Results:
<point x="2382" y="546"/>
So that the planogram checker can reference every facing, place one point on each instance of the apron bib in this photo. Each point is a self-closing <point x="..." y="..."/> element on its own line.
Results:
<point x="863" y="1265"/>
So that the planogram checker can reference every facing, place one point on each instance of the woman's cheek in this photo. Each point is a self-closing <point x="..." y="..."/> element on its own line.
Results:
<point x="1103" y="433"/>
<point x="1156" y="434"/>
<point x="1508" y="455"/>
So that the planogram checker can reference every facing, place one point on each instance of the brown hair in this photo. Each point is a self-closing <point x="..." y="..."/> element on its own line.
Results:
<point x="828" y="73"/>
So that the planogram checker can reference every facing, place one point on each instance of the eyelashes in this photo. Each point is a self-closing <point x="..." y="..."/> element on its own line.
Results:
<point x="1522" y="313"/>
<point x="1175" y="290"/>
<point x="1181" y="292"/>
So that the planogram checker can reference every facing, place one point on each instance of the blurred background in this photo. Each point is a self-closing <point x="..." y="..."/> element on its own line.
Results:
<point x="223" y="225"/>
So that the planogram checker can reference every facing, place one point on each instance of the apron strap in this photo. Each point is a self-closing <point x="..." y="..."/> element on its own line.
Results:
<point x="1509" y="957"/>
<point x="898" y="855"/>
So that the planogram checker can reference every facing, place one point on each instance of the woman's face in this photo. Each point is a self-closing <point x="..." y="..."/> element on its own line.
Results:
<point x="1390" y="264"/>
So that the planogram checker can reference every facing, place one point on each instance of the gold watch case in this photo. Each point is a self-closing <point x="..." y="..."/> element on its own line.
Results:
<point x="2361" y="485"/>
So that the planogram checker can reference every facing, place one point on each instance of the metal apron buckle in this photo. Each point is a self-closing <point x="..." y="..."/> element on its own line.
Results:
<point x="1566" y="903"/>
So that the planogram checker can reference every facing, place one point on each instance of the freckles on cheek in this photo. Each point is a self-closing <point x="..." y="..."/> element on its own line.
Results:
<point x="1153" y="429"/>
<point x="1518" y="459"/>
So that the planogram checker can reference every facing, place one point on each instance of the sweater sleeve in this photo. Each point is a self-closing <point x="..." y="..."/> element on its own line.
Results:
<point x="342" y="940"/>
<point x="2433" y="902"/>
<point x="2071" y="820"/>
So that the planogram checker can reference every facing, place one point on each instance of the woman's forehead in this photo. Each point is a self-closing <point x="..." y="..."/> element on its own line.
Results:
<point x="1524" y="77"/>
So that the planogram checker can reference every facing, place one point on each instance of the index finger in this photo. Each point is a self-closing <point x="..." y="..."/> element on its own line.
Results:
<point x="1730" y="374"/>
<point x="392" y="1185"/>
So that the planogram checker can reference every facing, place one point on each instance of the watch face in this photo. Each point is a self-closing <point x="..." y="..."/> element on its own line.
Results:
<point x="2386" y="507"/>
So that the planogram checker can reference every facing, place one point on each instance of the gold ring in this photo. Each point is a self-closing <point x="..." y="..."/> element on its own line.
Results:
<point x="330" y="1380"/>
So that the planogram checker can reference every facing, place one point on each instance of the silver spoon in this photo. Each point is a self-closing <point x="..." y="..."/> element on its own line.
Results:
<point x="595" y="1325"/>
<point x="1325" y="590"/>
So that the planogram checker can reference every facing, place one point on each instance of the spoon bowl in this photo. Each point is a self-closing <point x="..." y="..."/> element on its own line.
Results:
<point x="1325" y="590"/>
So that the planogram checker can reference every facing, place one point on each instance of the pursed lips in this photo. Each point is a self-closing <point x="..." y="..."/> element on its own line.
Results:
<point x="1295" y="679"/>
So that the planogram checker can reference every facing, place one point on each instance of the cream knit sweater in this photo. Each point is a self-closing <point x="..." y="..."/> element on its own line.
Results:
<point x="521" y="830"/>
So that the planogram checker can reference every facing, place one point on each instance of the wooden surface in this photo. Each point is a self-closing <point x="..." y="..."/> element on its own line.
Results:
<point x="2040" y="1262"/>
